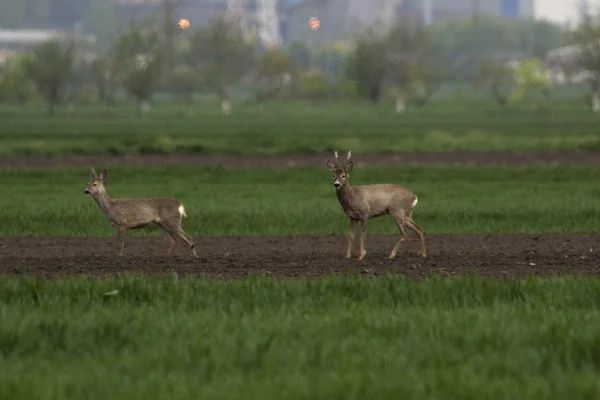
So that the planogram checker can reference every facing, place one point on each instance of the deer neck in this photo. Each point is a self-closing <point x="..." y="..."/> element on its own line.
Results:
<point x="344" y="194"/>
<point x="104" y="202"/>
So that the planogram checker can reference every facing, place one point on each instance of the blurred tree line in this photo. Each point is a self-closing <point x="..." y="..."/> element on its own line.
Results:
<point x="586" y="55"/>
<point x="408" y="63"/>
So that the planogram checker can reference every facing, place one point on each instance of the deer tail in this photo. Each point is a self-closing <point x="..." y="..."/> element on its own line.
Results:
<point x="182" y="210"/>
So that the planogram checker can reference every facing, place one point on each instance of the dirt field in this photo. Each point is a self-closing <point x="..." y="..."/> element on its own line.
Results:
<point x="314" y="160"/>
<point x="449" y="255"/>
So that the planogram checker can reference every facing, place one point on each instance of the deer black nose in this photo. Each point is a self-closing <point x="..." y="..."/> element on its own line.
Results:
<point x="86" y="191"/>
<point x="337" y="185"/>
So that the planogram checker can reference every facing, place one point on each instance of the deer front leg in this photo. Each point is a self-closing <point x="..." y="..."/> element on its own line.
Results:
<point x="363" y="235"/>
<point x="353" y="225"/>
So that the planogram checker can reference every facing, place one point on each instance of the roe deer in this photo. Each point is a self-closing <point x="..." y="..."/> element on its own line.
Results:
<point x="127" y="214"/>
<point x="361" y="203"/>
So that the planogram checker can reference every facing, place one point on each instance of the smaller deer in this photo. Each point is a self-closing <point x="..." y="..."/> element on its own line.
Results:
<point x="127" y="214"/>
<point x="361" y="203"/>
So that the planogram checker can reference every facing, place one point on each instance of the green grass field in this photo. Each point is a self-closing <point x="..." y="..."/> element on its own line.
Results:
<point x="336" y="338"/>
<point x="295" y="128"/>
<point x="353" y="338"/>
<point x="227" y="201"/>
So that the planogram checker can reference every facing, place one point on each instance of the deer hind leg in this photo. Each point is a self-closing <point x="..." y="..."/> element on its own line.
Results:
<point x="169" y="236"/>
<point x="353" y="226"/>
<point x="172" y="241"/>
<point x="177" y="232"/>
<point x="417" y="229"/>
<point x="363" y="234"/>
<point x="400" y="222"/>
<point x="186" y="238"/>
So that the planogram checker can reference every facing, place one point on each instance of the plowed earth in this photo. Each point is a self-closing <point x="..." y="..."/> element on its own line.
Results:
<point x="501" y="256"/>
<point x="448" y="255"/>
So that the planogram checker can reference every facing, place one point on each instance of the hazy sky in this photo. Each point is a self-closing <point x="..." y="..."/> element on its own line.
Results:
<point x="558" y="10"/>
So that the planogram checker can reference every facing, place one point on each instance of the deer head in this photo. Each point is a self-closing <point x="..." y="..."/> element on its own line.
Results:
<point x="341" y="173"/>
<point x="96" y="184"/>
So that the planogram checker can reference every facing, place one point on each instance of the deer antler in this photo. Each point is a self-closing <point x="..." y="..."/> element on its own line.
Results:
<point x="337" y="158"/>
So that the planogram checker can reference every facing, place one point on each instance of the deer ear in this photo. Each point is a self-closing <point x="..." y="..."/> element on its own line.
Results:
<point x="103" y="174"/>
<point x="330" y="165"/>
<point x="349" y="166"/>
<point x="93" y="175"/>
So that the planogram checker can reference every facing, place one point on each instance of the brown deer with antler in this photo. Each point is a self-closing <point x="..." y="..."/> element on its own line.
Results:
<point x="361" y="203"/>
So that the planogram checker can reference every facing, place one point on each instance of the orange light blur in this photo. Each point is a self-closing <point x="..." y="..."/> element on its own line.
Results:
<point x="184" y="23"/>
<point x="314" y="23"/>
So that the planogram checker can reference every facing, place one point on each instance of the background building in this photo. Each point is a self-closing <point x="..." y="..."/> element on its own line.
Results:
<point x="432" y="11"/>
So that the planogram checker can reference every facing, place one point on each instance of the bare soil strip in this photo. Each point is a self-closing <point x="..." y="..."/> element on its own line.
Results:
<point x="501" y="256"/>
<point x="310" y="160"/>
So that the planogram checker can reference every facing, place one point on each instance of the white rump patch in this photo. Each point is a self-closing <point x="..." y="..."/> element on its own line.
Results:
<point x="181" y="210"/>
<point x="415" y="202"/>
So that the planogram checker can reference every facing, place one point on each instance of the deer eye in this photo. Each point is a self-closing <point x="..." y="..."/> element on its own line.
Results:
<point x="344" y="176"/>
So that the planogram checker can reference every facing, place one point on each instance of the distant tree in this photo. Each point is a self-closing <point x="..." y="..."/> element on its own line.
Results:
<point x="331" y="59"/>
<point x="104" y="75"/>
<point x="313" y="85"/>
<point x="184" y="82"/>
<point x="169" y="33"/>
<point x="300" y="54"/>
<point x="139" y="61"/>
<point x="587" y="55"/>
<point x="274" y="71"/>
<point x="497" y="76"/>
<point x="222" y="54"/>
<point x="15" y="83"/>
<point x="536" y="38"/>
<point x="463" y="44"/>
<point x="427" y="80"/>
<point x="403" y="58"/>
<point x="531" y="81"/>
<point x="51" y="68"/>
<point x="79" y="81"/>
<point x="411" y="68"/>
<point x="367" y="65"/>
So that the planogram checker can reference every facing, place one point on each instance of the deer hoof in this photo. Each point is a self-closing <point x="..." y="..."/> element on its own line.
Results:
<point x="423" y="254"/>
<point x="391" y="256"/>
